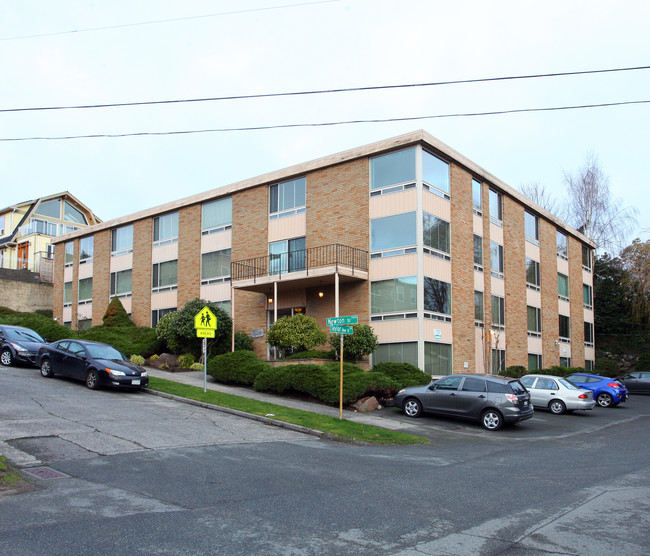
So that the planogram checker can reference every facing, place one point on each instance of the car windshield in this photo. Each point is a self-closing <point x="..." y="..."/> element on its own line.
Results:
<point x="103" y="352"/>
<point x="517" y="387"/>
<point x="18" y="334"/>
<point x="568" y="384"/>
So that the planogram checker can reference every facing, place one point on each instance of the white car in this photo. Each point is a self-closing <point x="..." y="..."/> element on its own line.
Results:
<point x="557" y="394"/>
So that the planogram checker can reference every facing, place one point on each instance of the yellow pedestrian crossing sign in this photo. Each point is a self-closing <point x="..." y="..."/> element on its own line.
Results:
<point x="205" y="319"/>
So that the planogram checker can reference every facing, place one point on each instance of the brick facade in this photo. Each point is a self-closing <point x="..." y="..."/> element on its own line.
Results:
<point x="141" y="273"/>
<point x="577" y="306"/>
<point x="548" y="285"/>
<point x="101" y="275"/>
<point x="189" y="254"/>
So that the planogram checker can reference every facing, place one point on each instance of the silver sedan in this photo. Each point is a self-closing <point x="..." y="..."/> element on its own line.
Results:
<point x="557" y="394"/>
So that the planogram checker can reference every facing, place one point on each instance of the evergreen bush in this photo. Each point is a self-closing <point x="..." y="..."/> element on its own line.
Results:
<point x="404" y="374"/>
<point x="116" y="315"/>
<point x="236" y="367"/>
<point x="130" y="340"/>
<point x="46" y="327"/>
<point x="137" y="359"/>
<point x="294" y="334"/>
<point x="185" y="361"/>
<point x="361" y="342"/>
<point x="243" y="341"/>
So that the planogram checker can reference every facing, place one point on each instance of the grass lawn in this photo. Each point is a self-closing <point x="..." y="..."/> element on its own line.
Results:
<point x="341" y="428"/>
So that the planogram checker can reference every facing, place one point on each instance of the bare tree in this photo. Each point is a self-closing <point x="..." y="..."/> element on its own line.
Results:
<point x="593" y="211"/>
<point x="538" y="194"/>
<point x="636" y="261"/>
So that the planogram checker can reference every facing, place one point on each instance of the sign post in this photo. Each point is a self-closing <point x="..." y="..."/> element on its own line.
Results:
<point x="336" y="325"/>
<point x="205" y="322"/>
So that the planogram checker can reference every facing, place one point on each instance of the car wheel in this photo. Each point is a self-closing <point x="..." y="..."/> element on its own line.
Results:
<point x="92" y="380"/>
<point x="604" y="399"/>
<point x="491" y="420"/>
<point x="46" y="368"/>
<point x="557" y="407"/>
<point x="6" y="358"/>
<point x="412" y="408"/>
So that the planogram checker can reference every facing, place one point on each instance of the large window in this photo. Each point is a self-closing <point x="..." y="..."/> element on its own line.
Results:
<point x="496" y="259"/>
<point x="534" y="361"/>
<point x="51" y="208"/>
<point x="436" y="233"/>
<point x="437" y="359"/>
<point x="287" y="198"/>
<point x="71" y="214"/>
<point x="216" y="215"/>
<point x="478" y="252"/>
<point x="393" y="233"/>
<point x="586" y="257"/>
<point x="565" y="327"/>
<point x="86" y="248"/>
<point x="589" y="334"/>
<point x="164" y="276"/>
<point x="435" y="172"/>
<point x="498" y="311"/>
<point x="394" y="295"/>
<point x="563" y="286"/>
<point x="121" y="283"/>
<point x="215" y="266"/>
<point x="67" y="293"/>
<point x="531" y="224"/>
<point x="401" y="352"/>
<point x="477" y="200"/>
<point x="69" y="253"/>
<point x="392" y="169"/>
<point x="562" y="248"/>
<point x="287" y="255"/>
<point x="437" y="296"/>
<point x="478" y="306"/>
<point x="122" y="240"/>
<point x="165" y="229"/>
<point x="534" y="321"/>
<point x="85" y="290"/>
<point x="498" y="360"/>
<point x="587" y="296"/>
<point x="532" y="274"/>
<point x="496" y="207"/>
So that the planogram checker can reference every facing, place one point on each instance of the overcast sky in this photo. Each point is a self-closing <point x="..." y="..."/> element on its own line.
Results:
<point x="270" y="46"/>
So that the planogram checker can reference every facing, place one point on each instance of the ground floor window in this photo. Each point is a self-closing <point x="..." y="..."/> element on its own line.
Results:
<point x="498" y="360"/>
<point x="437" y="359"/>
<point x="534" y="361"/>
<point x="84" y="324"/>
<point x="157" y="314"/>
<point x="565" y="361"/>
<point x="401" y="352"/>
<point x="589" y="366"/>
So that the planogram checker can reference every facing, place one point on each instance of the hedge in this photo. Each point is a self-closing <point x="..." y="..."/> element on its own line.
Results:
<point x="236" y="367"/>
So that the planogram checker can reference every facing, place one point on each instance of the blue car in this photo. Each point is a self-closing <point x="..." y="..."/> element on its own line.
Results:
<point x="607" y="391"/>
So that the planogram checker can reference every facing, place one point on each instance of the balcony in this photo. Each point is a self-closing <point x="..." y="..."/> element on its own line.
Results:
<point x="301" y="268"/>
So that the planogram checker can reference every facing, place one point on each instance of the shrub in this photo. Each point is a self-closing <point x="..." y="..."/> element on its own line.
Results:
<point x="196" y="367"/>
<point x="403" y="374"/>
<point x="137" y="359"/>
<point x="514" y="371"/>
<point x="313" y="354"/>
<point x="361" y="342"/>
<point x="236" y="367"/>
<point x="7" y="311"/>
<point x="607" y="367"/>
<point x="243" y="341"/>
<point x="46" y="327"/>
<point x="164" y="367"/>
<point x="154" y="357"/>
<point x="115" y="314"/>
<point x="186" y="360"/>
<point x="129" y="340"/>
<point x="297" y="333"/>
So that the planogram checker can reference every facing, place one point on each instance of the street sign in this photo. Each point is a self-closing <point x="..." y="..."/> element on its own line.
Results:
<point x="343" y="320"/>
<point x="204" y="333"/>
<point x="338" y="329"/>
<point x="205" y="319"/>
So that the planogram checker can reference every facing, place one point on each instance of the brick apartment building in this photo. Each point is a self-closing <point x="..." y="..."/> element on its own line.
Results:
<point x="454" y="269"/>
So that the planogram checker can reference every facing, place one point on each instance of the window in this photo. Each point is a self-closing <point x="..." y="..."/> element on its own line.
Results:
<point x="472" y="384"/>
<point x="532" y="274"/>
<point x="435" y="172"/>
<point x="215" y="266"/>
<point x="534" y="361"/>
<point x="436" y="233"/>
<point x="69" y="253"/>
<point x="2" y="225"/>
<point x="477" y="200"/>
<point x="287" y="198"/>
<point x="562" y="249"/>
<point x="50" y="252"/>
<point x="498" y="311"/>
<point x="71" y="214"/>
<point x="478" y="306"/>
<point x="67" y="294"/>
<point x="84" y="324"/>
<point x="437" y="296"/>
<point x="563" y="286"/>
<point x="498" y="361"/>
<point x="392" y="169"/>
<point x="121" y="283"/>
<point x="287" y="255"/>
<point x="157" y="314"/>
<point x="587" y="296"/>
<point x="589" y="334"/>
<point x="586" y="258"/>
<point x="565" y="327"/>
<point x="531" y="224"/>
<point x="496" y="207"/>
<point x="122" y="240"/>
<point x="51" y="208"/>
<point x="565" y="361"/>
<point x="86" y="248"/>
<point x="437" y="359"/>
<point x="165" y="229"/>
<point x="589" y="366"/>
<point x="534" y="321"/>
<point x="216" y="216"/>
<point x="393" y="232"/>
<point x="225" y="305"/>
<point x="85" y="290"/>
<point x="496" y="259"/>
<point x="394" y="295"/>
<point x="164" y="276"/>
<point x="478" y="252"/>
<point x="404" y="352"/>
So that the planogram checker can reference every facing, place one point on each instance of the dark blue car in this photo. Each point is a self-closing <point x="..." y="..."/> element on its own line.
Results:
<point x="608" y="392"/>
<point x="19" y="345"/>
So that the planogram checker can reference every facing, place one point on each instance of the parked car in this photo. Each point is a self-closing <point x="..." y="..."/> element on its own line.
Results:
<point x="608" y="392"/>
<point x="637" y="382"/>
<point x="489" y="399"/>
<point x="93" y="362"/>
<point x="19" y="345"/>
<point x="557" y="394"/>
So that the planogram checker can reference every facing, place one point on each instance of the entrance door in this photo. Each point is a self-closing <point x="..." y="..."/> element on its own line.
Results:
<point x="23" y="256"/>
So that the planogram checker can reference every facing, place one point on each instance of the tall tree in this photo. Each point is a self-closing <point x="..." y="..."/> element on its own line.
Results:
<point x="636" y="262"/>
<point x="612" y="304"/>
<point x="539" y="195"/>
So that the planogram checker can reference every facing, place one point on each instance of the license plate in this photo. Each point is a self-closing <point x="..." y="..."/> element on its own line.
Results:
<point x="136" y="382"/>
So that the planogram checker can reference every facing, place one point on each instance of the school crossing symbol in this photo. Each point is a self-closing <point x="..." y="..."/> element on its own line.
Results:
<point x="205" y="322"/>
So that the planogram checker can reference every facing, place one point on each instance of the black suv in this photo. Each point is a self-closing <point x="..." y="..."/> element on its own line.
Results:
<point x="489" y="399"/>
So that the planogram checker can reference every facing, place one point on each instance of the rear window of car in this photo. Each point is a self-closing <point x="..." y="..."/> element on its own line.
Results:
<point x="498" y="387"/>
<point x="517" y="387"/>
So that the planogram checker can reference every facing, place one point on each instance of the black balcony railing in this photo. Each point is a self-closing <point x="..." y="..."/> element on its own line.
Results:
<point x="301" y="260"/>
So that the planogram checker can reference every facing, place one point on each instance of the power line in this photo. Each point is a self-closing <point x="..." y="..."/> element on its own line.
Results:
<point x="326" y="91"/>
<point x="155" y="22"/>
<point x="325" y="124"/>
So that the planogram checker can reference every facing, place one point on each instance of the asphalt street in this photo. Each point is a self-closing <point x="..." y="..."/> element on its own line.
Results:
<point x="140" y="474"/>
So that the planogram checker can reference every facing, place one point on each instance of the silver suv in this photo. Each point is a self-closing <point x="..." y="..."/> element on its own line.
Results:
<point x="489" y="399"/>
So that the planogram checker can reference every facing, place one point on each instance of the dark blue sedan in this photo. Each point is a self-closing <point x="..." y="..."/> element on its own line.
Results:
<point x="18" y="345"/>
<point x="608" y="392"/>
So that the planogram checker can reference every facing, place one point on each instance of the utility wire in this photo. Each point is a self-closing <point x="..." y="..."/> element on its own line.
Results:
<point x="155" y="22"/>
<point x="325" y="91"/>
<point x="324" y="124"/>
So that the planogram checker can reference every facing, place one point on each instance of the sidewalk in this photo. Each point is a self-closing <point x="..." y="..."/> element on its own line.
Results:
<point x="196" y="378"/>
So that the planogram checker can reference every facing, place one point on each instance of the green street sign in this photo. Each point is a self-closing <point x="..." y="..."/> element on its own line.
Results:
<point x="338" y="329"/>
<point x="353" y="319"/>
